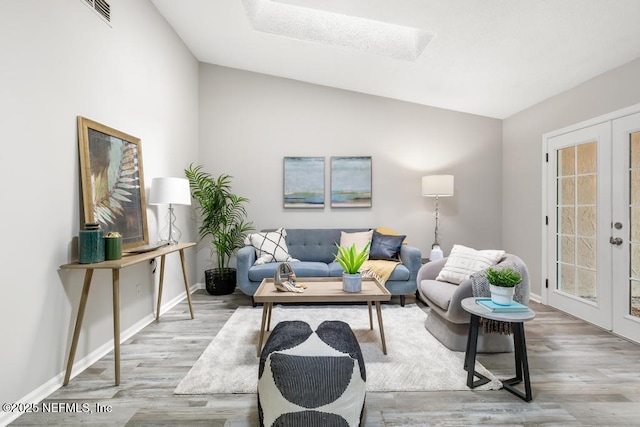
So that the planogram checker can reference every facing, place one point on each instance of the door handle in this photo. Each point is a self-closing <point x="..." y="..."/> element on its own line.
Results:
<point x="615" y="241"/>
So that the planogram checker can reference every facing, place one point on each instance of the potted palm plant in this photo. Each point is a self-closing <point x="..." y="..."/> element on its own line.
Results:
<point x="223" y="220"/>
<point x="502" y="284"/>
<point x="351" y="260"/>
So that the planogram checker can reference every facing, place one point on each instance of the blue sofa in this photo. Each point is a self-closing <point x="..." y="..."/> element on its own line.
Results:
<point x="316" y="250"/>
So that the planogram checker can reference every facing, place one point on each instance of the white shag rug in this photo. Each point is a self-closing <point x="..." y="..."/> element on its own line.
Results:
<point x="415" y="360"/>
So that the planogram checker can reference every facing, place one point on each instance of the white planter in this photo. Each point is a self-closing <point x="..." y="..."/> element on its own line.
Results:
<point x="352" y="282"/>
<point x="501" y="295"/>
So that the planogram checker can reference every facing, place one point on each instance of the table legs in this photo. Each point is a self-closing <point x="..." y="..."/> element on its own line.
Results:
<point x="522" y="365"/>
<point x="115" y="277"/>
<point x="186" y="281"/>
<point x="76" y="331"/>
<point x="186" y="284"/>
<point x="266" y="312"/>
<point x="470" y="355"/>
<point x="160" y="286"/>
<point x="379" y="313"/>
<point x="266" y="324"/>
<point x="521" y="361"/>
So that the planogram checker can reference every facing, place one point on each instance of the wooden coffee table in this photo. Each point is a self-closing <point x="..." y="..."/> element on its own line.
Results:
<point x="321" y="289"/>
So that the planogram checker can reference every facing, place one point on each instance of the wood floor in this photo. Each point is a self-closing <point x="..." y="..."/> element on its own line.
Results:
<point x="580" y="376"/>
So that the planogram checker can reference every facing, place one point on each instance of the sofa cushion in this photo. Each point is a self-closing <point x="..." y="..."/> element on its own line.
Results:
<point x="464" y="261"/>
<point x="335" y="269"/>
<point x="360" y="239"/>
<point x="301" y="269"/>
<point x="315" y="244"/>
<point x="385" y="246"/>
<point x="270" y="246"/>
<point x="440" y="293"/>
<point x="311" y="269"/>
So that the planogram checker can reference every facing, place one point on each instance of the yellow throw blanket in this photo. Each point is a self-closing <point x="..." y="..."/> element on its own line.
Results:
<point x="378" y="269"/>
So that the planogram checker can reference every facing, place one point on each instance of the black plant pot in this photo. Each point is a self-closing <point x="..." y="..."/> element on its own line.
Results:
<point x="220" y="281"/>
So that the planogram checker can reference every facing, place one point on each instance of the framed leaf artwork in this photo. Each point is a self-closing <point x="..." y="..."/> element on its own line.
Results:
<point x="112" y="181"/>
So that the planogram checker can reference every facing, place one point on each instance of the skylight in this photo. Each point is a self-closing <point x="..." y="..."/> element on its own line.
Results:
<point x="332" y="29"/>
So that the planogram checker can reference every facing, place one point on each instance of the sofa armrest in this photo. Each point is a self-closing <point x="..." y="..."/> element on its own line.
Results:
<point x="456" y="313"/>
<point x="412" y="259"/>
<point x="430" y="270"/>
<point x="245" y="258"/>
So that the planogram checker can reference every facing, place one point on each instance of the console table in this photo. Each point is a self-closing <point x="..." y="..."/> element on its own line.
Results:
<point x="517" y="320"/>
<point x="115" y="266"/>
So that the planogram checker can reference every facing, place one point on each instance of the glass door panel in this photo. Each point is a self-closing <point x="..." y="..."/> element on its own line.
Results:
<point x="579" y="222"/>
<point x="577" y="225"/>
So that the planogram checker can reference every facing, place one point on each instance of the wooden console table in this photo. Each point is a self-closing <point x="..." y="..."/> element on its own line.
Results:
<point x="115" y="266"/>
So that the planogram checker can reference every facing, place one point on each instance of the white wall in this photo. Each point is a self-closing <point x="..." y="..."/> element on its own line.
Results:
<point x="522" y="154"/>
<point x="59" y="60"/>
<point x="249" y="122"/>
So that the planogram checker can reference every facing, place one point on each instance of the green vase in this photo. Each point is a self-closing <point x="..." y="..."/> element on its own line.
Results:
<point x="90" y="244"/>
<point x="112" y="248"/>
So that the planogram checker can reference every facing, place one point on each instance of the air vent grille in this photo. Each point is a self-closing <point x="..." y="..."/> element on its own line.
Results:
<point x="101" y="7"/>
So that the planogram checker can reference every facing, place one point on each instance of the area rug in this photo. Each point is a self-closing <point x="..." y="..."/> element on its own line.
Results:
<point x="416" y="361"/>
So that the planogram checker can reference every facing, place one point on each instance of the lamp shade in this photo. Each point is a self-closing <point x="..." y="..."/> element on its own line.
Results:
<point x="437" y="185"/>
<point x="174" y="191"/>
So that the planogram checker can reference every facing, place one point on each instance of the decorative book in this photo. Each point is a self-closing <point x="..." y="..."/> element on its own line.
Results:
<point x="489" y="305"/>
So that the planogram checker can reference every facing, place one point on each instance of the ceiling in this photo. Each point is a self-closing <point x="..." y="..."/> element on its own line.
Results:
<point x="488" y="57"/>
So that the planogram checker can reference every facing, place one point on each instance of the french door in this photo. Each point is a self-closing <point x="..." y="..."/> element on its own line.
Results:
<point x="625" y="232"/>
<point x="593" y="231"/>
<point x="579" y="207"/>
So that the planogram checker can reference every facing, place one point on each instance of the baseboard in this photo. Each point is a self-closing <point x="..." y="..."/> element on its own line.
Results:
<point x="536" y="298"/>
<point x="42" y="392"/>
<point x="178" y="299"/>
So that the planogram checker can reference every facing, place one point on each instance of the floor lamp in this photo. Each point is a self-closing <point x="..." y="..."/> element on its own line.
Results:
<point x="437" y="186"/>
<point x="170" y="191"/>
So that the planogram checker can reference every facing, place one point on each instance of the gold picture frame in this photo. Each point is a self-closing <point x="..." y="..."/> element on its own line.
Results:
<point x="112" y="181"/>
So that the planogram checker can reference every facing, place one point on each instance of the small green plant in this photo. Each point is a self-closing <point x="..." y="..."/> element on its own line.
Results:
<point x="350" y="259"/>
<point x="505" y="278"/>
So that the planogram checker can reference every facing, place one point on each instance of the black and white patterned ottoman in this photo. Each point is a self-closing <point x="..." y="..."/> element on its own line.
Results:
<point x="311" y="378"/>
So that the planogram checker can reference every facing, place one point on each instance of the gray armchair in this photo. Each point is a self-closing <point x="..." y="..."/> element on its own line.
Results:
<point x="448" y="321"/>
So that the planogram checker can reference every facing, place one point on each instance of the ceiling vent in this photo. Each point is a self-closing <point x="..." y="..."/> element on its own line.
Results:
<point x="101" y="7"/>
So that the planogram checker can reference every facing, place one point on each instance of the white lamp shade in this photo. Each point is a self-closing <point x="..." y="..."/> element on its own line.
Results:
<point x="437" y="185"/>
<point x="174" y="191"/>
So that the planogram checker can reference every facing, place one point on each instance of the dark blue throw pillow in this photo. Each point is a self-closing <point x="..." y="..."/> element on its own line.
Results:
<point x="385" y="246"/>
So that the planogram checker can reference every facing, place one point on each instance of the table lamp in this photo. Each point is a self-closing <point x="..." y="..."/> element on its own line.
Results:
<point x="170" y="191"/>
<point x="437" y="186"/>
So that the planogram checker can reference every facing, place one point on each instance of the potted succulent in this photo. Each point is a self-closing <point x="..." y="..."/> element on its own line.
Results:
<point x="223" y="220"/>
<point x="351" y="260"/>
<point x="502" y="284"/>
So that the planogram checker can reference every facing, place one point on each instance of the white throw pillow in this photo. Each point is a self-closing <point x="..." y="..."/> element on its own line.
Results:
<point x="464" y="261"/>
<point x="270" y="246"/>
<point x="360" y="238"/>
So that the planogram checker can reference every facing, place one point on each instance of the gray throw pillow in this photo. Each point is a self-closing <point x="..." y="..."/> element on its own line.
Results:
<point x="385" y="246"/>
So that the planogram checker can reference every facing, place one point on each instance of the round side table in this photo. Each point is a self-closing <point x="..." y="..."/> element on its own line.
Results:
<point x="516" y="319"/>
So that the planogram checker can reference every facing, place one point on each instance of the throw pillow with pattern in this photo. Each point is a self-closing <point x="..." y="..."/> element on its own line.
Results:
<point x="464" y="261"/>
<point x="270" y="246"/>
